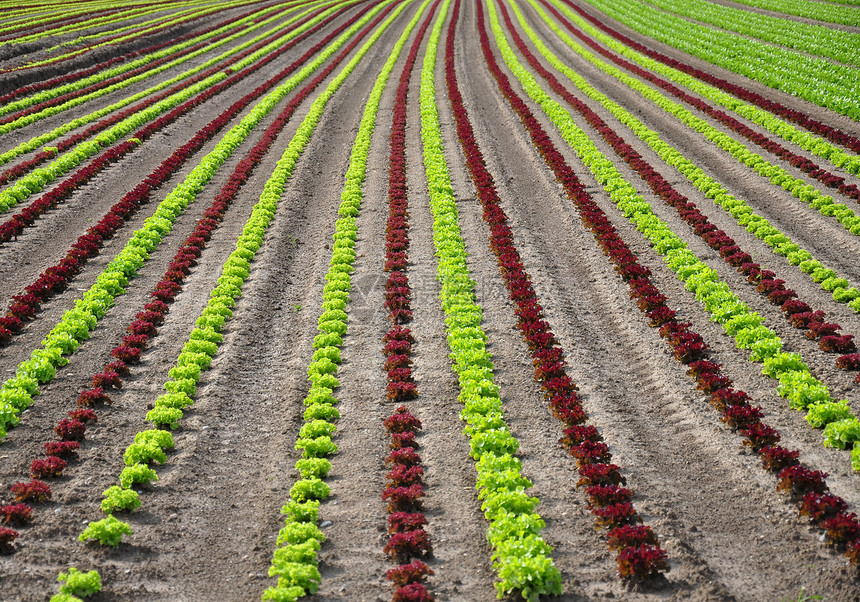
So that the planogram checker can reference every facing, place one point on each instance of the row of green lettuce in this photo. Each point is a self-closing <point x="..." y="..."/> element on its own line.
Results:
<point x="521" y="556"/>
<point x="796" y="382"/>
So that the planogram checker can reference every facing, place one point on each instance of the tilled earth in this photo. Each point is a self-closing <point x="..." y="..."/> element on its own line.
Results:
<point x="207" y="528"/>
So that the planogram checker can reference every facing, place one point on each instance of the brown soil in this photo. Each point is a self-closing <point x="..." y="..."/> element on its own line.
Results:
<point x="207" y="528"/>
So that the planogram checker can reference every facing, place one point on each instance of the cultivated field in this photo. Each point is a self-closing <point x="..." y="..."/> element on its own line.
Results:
<point x="429" y="299"/>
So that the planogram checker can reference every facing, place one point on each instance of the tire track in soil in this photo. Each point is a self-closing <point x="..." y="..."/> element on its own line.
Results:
<point x="649" y="442"/>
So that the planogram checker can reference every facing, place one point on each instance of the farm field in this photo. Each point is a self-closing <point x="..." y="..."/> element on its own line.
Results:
<point x="429" y="300"/>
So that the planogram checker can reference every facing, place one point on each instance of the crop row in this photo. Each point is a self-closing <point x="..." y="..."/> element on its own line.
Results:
<point x="408" y="542"/>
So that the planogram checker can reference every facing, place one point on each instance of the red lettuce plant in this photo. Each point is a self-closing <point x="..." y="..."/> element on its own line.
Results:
<point x="837" y="344"/>
<point x="61" y="449"/>
<point x="70" y="429"/>
<point x="759" y="434"/>
<point x="800" y="480"/>
<point x="401" y="421"/>
<point x="403" y="476"/>
<point x="92" y="397"/>
<point x="414" y="592"/>
<point x="34" y="491"/>
<point x="397" y="361"/>
<point x="628" y="536"/>
<point x="127" y="354"/>
<point x="119" y="366"/>
<point x="849" y="362"/>
<point x="409" y="544"/>
<point x="107" y="380"/>
<point x="589" y="452"/>
<point x="49" y="467"/>
<point x="400" y="440"/>
<point x="600" y="474"/>
<point x="642" y="562"/>
<point x="600" y="496"/>
<point x="742" y="416"/>
<point x="821" y="506"/>
<point x="700" y="367"/>
<point x="84" y="415"/>
<point x="400" y="522"/>
<point x="405" y="456"/>
<point x="16" y="514"/>
<point x="405" y="574"/>
<point x="399" y="391"/>
<point x="576" y="435"/>
<point x="841" y="529"/>
<point x="615" y="515"/>
<point x="816" y="330"/>
<point x="403" y="499"/>
<point x="775" y="457"/>
<point x="398" y="333"/>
